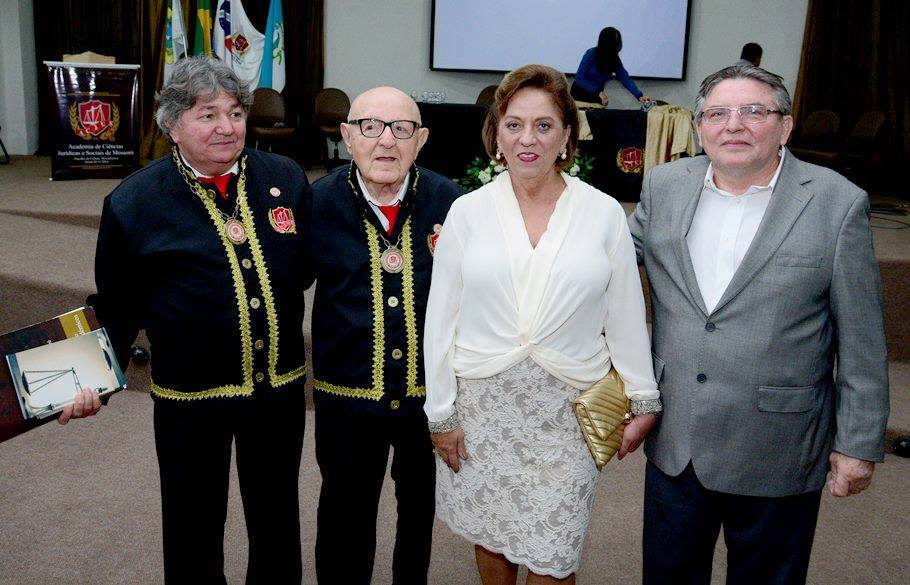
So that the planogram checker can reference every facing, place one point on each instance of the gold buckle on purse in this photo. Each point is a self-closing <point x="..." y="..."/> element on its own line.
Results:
<point x="602" y="412"/>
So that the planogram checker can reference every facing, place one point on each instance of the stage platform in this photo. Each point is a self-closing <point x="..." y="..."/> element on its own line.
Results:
<point x="48" y="231"/>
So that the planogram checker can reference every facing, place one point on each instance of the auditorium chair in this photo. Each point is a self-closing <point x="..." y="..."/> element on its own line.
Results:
<point x="486" y="97"/>
<point x="853" y="156"/>
<point x="267" y="120"/>
<point x="817" y="132"/>
<point x="332" y="106"/>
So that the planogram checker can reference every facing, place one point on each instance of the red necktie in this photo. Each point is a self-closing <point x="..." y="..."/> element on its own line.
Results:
<point x="391" y="213"/>
<point x="220" y="182"/>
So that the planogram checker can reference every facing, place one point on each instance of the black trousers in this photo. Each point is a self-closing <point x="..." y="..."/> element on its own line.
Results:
<point x="583" y="95"/>
<point x="768" y="540"/>
<point x="193" y="440"/>
<point x="353" y="451"/>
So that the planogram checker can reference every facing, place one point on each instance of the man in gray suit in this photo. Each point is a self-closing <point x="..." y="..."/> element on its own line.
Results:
<point x="762" y="279"/>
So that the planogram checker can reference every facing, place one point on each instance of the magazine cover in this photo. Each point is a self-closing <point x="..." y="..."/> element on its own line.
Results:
<point x="47" y="377"/>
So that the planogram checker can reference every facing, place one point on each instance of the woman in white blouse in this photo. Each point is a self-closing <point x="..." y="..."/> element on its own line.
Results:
<point x="535" y="294"/>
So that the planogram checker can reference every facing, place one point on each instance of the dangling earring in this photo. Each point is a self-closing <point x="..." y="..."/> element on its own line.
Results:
<point x="564" y="153"/>
<point x="498" y="154"/>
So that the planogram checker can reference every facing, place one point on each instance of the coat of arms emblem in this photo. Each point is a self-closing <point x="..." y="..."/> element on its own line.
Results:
<point x="94" y="119"/>
<point x="630" y="160"/>
<point x="282" y="220"/>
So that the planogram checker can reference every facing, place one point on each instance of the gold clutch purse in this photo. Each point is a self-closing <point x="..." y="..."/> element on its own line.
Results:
<point x="602" y="411"/>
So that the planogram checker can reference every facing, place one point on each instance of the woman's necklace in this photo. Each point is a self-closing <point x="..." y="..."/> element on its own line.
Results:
<point x="233" y="227"/>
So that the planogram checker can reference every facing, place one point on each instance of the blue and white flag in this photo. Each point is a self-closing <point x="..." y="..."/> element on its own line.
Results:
<point x="273" y="54"/>
<point x="236" y="42"/>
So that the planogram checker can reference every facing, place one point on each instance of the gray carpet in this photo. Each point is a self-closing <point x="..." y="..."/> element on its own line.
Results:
<point x="79" y="504"/>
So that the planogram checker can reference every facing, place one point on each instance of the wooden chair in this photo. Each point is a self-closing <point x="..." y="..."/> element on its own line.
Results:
<point x="267" y="122"/>
<point x="332" y="107"/>
<point x="487" y="96"/>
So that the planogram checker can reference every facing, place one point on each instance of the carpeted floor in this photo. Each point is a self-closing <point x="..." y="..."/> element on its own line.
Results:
<point x="79" y="504"/>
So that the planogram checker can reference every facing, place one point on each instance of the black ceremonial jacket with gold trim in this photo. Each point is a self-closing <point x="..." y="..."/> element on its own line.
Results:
<point x="223" y="320"/>
<point x="368" y="323"/>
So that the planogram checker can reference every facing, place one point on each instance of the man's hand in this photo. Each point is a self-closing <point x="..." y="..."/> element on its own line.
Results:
<point x="87" y="403"/>
<point x="644" y="99"/>
<point x="450" y="447"/>
<point x="635" y="432"/>
<point x="848" y="475"/>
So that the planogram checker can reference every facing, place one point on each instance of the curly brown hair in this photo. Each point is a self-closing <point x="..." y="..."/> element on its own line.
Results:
<point x="540" y="77"/>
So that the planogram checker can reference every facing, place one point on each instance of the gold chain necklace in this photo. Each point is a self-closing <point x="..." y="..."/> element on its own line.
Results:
<point x="233" y="227"/>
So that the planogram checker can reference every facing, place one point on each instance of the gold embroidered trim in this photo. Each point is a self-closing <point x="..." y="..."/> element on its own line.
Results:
<point x="219" y="392"/>
<point x="410" y="318"/>
<point x="378" y="309"/>
<point x="368" y="393"/>
<point x="265" y="286"/>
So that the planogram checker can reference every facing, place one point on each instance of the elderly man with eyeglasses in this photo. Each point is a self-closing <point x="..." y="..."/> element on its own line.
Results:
<point x="371" y="232"/>
<point x="763" y="278"/>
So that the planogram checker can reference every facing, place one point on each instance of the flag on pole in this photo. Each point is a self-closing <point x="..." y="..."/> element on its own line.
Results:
<point x="236" y="42"/>
<point x="273" y="54"/>
<point x="203" y="42"/>
<point x="174" y="38"/>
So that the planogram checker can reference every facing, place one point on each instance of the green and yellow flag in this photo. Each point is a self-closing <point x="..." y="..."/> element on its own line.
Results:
<point x="203" y="44"/>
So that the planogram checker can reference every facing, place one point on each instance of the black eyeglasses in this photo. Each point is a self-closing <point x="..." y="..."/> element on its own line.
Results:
<point x="752" y="114"/>
<point x="373" y="128"/>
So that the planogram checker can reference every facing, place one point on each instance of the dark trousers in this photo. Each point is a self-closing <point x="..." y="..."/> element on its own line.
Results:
<point x="581" y="94"/>
<point x="193" y="440"/>
<point x="768" y="539"/>
<point x="353" y="451"/>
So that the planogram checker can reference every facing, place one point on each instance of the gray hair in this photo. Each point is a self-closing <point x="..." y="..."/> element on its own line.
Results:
<point x="194" y="78"/>
<point x="775" y="82"/>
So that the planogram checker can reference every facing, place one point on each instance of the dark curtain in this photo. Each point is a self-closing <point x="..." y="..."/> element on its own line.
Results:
<point x="133" y="32"/>
<point x="108" y="27"/>
<point x="855" y="59"/>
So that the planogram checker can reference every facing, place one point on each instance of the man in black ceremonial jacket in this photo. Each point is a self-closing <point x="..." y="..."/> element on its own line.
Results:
<point x="370" y="237"/>
<point x="201" y="249"/>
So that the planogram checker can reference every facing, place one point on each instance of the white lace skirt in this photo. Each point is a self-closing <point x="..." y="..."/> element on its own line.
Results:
<point x="528" y="488"/>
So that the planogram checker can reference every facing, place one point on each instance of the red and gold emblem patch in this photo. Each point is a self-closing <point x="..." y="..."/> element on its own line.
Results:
<point x="282" y="219"/>
<point x="630" y="160"/>
<point x="431" y="239"/>
<point x="94" y="119"/>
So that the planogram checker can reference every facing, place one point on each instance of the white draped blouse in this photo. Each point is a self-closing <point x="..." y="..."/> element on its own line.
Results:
<point x="573" y="304"/>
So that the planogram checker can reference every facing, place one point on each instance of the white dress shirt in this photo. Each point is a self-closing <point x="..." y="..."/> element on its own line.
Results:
<point x="573" y="304"/>
<point x="374" y="204"/>
<point x="722" y="230"/>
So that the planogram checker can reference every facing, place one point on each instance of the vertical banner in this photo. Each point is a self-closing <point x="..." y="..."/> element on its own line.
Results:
<point x="97" y="125"/>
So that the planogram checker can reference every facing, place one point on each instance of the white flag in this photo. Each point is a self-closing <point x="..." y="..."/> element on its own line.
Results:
<point x="236" y="42"/>
<point x="174" y="38"/>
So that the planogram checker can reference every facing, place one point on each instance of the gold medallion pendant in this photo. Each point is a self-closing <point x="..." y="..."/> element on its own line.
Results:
<point x="391" y="260"/>
<point x="235" y="231"/>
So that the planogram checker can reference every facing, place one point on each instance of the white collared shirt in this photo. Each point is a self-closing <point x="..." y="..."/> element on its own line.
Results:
<point x="374" y="205"/>
<point x="722" y="230"/>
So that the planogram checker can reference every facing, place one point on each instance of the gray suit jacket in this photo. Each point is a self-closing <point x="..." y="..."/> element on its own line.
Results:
<point x="750" y="391"/>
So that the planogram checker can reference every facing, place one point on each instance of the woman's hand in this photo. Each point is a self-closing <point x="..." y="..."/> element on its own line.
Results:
<point x="86" y="403"/>
<point x="450" y="447"/>
<point x="644" y="99"/>
<point x="604" y="98"/>
<point x="635" y="432"/>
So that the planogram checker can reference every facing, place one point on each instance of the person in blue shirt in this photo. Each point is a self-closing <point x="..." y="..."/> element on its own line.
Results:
<point x="599" y="65"/>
